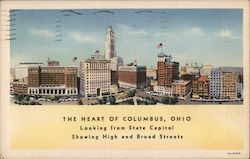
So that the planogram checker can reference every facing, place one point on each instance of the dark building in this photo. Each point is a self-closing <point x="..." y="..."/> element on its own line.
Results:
<point x="167" y="71"/>
<point x="132" y="76"/>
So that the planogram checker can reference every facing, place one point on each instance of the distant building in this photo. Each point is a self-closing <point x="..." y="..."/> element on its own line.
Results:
<point x="21" y="70"/>
<point x="216" y="83"/>
<point x="167" y="72"/>
<point x="151" y="73"/>
<point x="239" y="90"/>
<point x="206" y="70"/>
<point x="132" y="76"/>
<point x="229" y="85"/>
<point x="19" y="87"/>
<point x="181" y="88"/>
<point x="53" y="63"/>
<point x="115" y="62"/>
<point x="110" y="51"/>
<point x="201" y="87"/>
<point x="52" y="80"/>
<point x="191" y="70"/>
<point x="95" y="76"/>
<point x="224" y="83"/>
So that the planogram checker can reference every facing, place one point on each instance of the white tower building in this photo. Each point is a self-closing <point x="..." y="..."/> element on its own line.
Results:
<point x="110" y="44"/>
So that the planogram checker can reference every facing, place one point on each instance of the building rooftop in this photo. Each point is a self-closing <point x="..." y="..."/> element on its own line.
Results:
<point x="181" y="82"/>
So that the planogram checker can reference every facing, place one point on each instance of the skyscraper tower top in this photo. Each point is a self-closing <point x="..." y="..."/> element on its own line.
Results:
<point x="110" y="29"/>
<point x="110" y="51"/>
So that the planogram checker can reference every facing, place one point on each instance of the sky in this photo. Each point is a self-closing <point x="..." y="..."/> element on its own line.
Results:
<point x="205" y="36"/>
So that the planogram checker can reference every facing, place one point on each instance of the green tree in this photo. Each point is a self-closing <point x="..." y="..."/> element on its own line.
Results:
<point x="165" y="100"/>
<point x="131" y="93"/>
<point x="112" y="100"/>
<point x="80" y="102"/>
<point x="19" y="97"/>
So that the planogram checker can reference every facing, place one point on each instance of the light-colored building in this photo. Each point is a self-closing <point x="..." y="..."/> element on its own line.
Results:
<point x="21" y="70"/>
<point x="181" y="88"/>
<point x="115" y="62"/>
<point x="223" y="83"/>
<point x="132" y="76"/>
<point x="151" y="73"/>
<point x="95" y="76"/>
<point x="239" y="90"/>
<point x="206" y="70"/>
<point x="163" y="90"/>
<point x="216" y="83"/>
<point x="110" y="48"/>
<point x="52" y="80"/>
<point x="229" y="85"/>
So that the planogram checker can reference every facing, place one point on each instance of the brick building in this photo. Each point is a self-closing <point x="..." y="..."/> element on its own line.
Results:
<point x="201" y="87"/>
<point x="132" y="76"/>
<point x="181" y="88"/>
<point x="52" y="80"/>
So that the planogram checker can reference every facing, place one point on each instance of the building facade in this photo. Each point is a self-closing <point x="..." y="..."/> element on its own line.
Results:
<point x="181" y="88"/>
<point x="132" y="76"/>
<point x="95" y="77"/>
<point x="167" y="72"/>
<point x="206" y="70"/>
<point x="229" y="85"/>
<point x="52" y="80"/>
<point x="110" y="50"/>
<point x="21" y="70"/>
<point x="216" y="83"/>
<point x="200" y="88"/>
<point x="20" y="87"/>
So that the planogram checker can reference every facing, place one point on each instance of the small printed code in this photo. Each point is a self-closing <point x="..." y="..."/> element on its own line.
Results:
<point x="233" y="153"/>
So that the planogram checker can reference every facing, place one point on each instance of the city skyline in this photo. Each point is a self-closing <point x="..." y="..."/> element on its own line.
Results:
<point x="65" y="34"/>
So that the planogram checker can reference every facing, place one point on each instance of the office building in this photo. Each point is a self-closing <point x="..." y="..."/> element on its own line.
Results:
<point x="95" y="76"/>
<point x="167" y="72"/>
<point x="181" y="88"/>
<point x="206" y="70"/>
<point x="21" y="70"/>
<point x="132" y="76"/>
<point x="216" y="83"/>
<point x="229" y="85"/>
<point x="201" y="88"/>
<point x="52" y="80"/>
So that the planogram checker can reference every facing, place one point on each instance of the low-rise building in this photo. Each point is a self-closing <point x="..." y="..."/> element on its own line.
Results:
<point x="181" y="88"/>
<point x="52" y="80"/>
<point x="132" y="76"/>
<point x="229" y="85"/>
<point x="200" y="87"/>
<point x="20" y="87"/>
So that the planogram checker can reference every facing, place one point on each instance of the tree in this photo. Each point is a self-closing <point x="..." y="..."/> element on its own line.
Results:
<point x="103" y="100"/>
<point x="19" y="97"/>
<point x="112" y="100"/>
<point x="131" y="93"/>
<point x="80" y="102"/>
<point x="165" y="100"/>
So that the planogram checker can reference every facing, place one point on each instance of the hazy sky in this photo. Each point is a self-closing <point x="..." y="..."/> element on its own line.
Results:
<point x="205" y="36"/>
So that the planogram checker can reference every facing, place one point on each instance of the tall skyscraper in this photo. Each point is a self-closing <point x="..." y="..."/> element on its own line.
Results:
<point x="167" y="70"/>
<point x="110" y="51"/>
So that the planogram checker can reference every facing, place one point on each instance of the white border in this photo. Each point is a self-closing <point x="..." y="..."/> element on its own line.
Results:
<point x="4" y="74"/>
